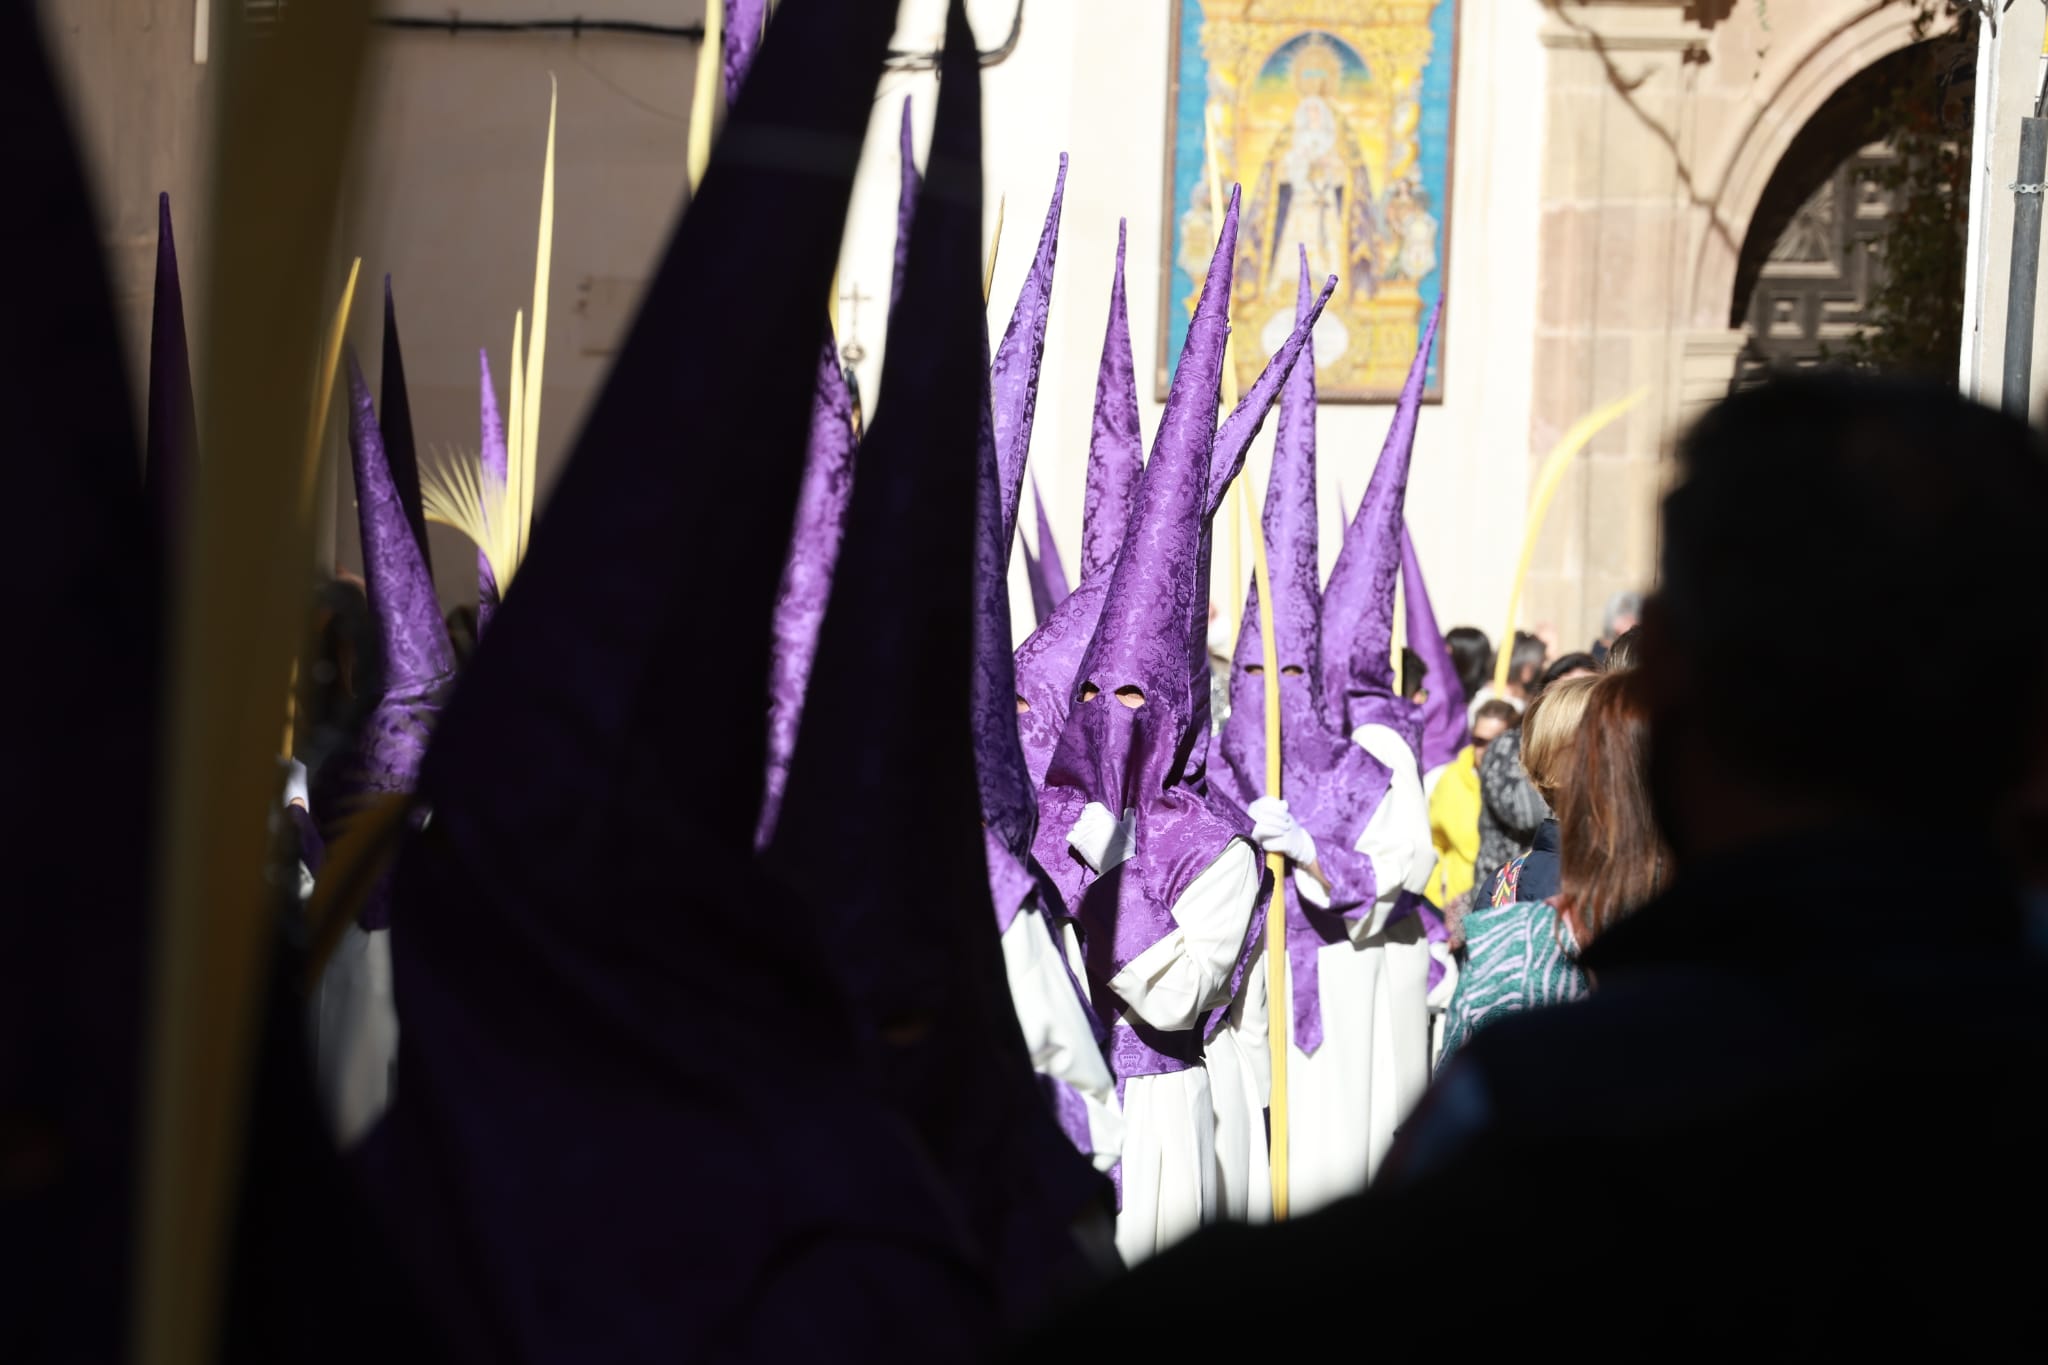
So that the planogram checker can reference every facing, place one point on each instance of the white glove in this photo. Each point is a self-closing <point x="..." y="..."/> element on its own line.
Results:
<point x="1277" y="831"/>
<point x="295" y="783"/>
<point x="1101" y="839"/>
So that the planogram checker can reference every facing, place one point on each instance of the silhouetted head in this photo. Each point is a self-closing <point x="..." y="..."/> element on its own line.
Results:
<point x="1889" y="510"/>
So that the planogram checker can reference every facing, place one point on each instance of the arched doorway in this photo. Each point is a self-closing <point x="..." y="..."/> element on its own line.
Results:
<point x="1814" y="254"/>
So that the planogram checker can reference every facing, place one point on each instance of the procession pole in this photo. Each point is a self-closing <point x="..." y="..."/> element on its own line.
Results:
<point x="1277" y="1012"/>
<point x="1548" y="482"/>
<point x="284" y="105"/>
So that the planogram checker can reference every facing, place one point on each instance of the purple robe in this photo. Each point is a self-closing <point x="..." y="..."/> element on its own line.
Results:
<point x="1444" y="727"/>
<point x="1134" y="759"/>
<point x="1331" y="785"/>
<point x="496" y="463"/>
<point x="895" y="739"/>
<point x="419" y="663"/>
<point x="605" y="995"/>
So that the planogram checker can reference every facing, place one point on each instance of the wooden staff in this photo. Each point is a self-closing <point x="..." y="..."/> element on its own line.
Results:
<point x="285" y="104"/>
<point x="323" y="395"/>
<point x="526" y="459"/>
<point x="995" y="244"/>
<point x="710" y="87"/>
<point x="1548" y="482"/>
<point x="1277" y="1013"/>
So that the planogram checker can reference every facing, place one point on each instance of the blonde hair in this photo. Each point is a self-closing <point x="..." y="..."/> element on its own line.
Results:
<point x="1548" y="728"/>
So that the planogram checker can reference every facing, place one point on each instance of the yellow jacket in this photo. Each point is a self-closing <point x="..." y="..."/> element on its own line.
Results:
<point x="1454" y="827"/>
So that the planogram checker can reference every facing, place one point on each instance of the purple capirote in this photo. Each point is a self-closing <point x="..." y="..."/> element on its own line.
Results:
<point x="1358" y="600"/>
<point x="1132" y="758"/>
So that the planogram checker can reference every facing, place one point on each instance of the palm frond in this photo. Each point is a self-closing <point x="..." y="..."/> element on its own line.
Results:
<point x="456" y="492"/>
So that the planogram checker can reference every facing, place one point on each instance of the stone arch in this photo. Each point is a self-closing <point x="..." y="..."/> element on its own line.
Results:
<point x="1774" y="118"/>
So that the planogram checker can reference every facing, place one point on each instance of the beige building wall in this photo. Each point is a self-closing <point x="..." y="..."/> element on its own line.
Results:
<point x="2008" y="65"/>
<point x="445" y="198"/>
<point x="139" y="112"/>
<point x="1608" y="156"/>
<point x="1665" y="120"/>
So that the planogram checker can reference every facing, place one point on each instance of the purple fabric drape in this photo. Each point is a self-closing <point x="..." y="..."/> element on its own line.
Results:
<point x="1330" y="784"/>
<point x="1444" y="728"/>
<point x="741" y="36"/>
<point x="1358" y="601"/>
<point x="419" y="663"/>
<point x="594" y="973"/>
<point x="496" y="463"/>
<point x="1130" y="758"/>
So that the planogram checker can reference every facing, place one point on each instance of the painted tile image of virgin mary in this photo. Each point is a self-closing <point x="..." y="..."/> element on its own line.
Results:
<point x="1312" y="186"/>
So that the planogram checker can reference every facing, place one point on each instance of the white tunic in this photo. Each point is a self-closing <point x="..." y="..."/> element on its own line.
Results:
<point x="1345" y="1100"/>
<point x="355" y="1031"/>
<point x="1169" y="1160"/>
<point x="1240" y="1084"/>
<point x="1057" y="1031"/>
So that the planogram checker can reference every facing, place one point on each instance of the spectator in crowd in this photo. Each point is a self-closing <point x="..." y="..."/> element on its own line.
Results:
<point x="1414" y="676"/>
<point x="1511" y="809"/>
<point x="1607" y="858"/>
<point x="1525" y="673"/>
<point x="1472" y="654"/>
<point x="1454" y="813"/>
<point x="1623" y="654"/>
<point x="1549" y="734"/>
<point x="1624" y="610"/>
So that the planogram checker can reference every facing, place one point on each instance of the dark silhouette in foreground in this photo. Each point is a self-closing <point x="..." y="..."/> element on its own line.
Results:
<point x="1803" y="1106"/>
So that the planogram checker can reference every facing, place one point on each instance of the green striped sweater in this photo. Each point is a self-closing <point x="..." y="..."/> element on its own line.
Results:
<point x="1517" y="957"/>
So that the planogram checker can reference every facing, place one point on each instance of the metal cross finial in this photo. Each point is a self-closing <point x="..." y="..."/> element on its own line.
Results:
<point x="850" y="350"/>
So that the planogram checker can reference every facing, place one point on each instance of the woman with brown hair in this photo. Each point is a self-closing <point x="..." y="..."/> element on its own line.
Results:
<point x="1524" y="955"/>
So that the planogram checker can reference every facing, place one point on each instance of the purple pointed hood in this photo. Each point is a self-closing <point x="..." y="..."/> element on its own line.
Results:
<point x="1135" y="758"/>
<point x="1048" y="661"/>
<point x="418" y="661"/>
<point x="807" y="572"/>
<point x="646" y="991"/>
<point x="741" y="34"/>
<point x="173" y="436"/>
<point x="419" y="664"/>
<point x="1048" y="575"/>
<point x="1358" y="601"/>
<point x="1116" y="446"/>
<point x="1289" y="524"/>
<point x="1444" y="728"/>
<point x="1233" y="440"/>
<point x="890" y="727"/>
<point x="1332" y="786"/>
<point x="908" y="186"/>
<point x="1009" y="800"/>
<point x="394" y="420"/>
<point x="496" y="463"/>
<point x="1013" y="378"/>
